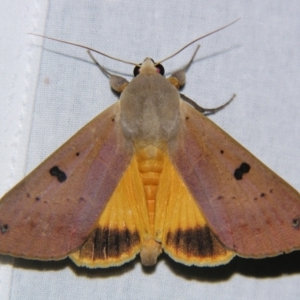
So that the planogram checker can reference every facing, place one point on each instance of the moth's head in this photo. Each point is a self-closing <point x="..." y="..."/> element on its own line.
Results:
<point x="148" y="67"/>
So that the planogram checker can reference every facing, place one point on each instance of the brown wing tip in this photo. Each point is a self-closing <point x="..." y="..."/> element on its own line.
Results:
<point x="107" y="247"/>
<point x="196" y="246"/>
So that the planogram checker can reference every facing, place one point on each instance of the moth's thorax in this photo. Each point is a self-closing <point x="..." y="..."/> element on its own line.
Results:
<point x="150" y="109"/>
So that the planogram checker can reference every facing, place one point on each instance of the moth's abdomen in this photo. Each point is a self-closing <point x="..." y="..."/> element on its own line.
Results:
<point x="150" y="161"/>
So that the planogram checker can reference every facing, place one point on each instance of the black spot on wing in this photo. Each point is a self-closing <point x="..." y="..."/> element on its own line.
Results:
<point x="4" y="228"/>
<point x="81" y="199"/>
<point x="263" y="195"/>
<point x="241" y="170"/>
<point x="296" y="223"/>
<point x="56" y="172"/>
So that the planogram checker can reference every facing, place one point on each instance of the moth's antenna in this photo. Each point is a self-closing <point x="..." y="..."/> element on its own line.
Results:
<point x="129" y="62"/>
<point x="197" y="39"/>
<point x="87" y="48"/>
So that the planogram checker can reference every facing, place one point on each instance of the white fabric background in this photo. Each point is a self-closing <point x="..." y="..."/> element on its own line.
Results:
<point x="50" y="91"/>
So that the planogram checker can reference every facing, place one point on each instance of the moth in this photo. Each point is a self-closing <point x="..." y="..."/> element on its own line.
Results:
<point x="149" y="174"/>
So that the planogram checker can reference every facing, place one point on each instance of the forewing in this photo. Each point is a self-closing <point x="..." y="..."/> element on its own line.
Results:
<point x="53" y="210"/>
<point x="250" y="209"/>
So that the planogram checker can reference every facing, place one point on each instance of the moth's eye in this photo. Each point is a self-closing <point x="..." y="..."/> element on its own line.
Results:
<point x="160" y="69"/>
<point x="136" y="70"/>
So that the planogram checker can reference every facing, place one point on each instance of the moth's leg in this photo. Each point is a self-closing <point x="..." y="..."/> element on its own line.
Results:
<point x="117" y="83"/>
<point x="178" y="78"/>
<point x="206" y="111"/>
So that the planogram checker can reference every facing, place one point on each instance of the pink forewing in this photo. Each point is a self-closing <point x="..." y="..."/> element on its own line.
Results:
<point x="255" y="215"/>
<point x="46" y="217"/>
